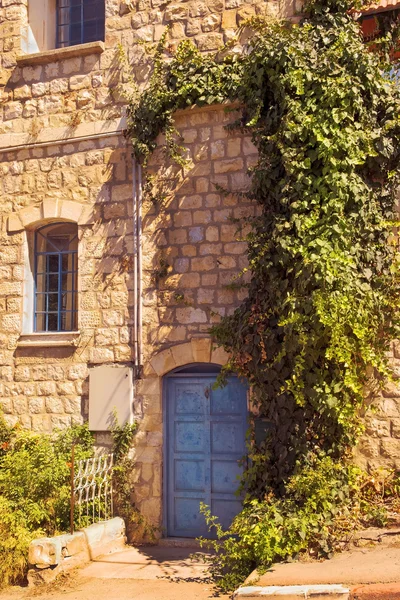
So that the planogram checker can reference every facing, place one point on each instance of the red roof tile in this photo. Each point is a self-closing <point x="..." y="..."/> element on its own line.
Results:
<point x="382" y="5"/>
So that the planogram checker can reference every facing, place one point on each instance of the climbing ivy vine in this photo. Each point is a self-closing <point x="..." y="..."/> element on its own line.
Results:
<point x="323" y="300"/>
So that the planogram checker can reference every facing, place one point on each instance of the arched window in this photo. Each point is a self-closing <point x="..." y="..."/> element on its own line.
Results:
<point x="56" y="277"/>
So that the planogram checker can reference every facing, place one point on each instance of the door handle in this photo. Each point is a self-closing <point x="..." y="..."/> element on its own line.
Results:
<point x="207" y="392"/>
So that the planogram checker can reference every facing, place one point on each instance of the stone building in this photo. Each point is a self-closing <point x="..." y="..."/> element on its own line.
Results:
<point x="106" y="300"/>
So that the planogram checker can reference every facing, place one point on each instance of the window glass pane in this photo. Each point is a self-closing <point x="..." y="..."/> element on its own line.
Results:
<point x="56" y="277"/>
<point x="80" y="21"/>
<point x="40" y="322"/>
<point x="52" y="322"/>
<point x="52" y="263"/>
<point x="52" y="283"/>
<point x="52" y="303"/>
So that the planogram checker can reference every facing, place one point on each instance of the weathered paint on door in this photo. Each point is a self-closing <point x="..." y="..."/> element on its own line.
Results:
<point x="205" y="443"/>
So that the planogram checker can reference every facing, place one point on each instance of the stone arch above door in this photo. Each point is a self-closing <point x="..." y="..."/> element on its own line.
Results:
<point x="198" y="350"/>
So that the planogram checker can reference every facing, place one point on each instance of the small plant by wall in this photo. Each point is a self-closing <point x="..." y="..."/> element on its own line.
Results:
<point x="35" y="487"/>
<point x="312" y="336"/>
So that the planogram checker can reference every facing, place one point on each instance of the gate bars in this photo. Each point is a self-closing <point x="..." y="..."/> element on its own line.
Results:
<point x="91" y="489"/>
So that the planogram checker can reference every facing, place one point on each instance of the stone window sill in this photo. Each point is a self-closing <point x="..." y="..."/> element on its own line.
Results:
<point x="49" y="339"/>
<point x="48" y="56"/>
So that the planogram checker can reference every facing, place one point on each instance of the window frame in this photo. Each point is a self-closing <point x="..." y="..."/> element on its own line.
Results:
<point x="45" y="292"/>
<point x="63" y="25"/>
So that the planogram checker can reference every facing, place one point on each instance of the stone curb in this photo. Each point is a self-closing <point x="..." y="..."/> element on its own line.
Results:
<point x="294" y="592"/>
<point x="48" y="557"/>
<point x="376" y="591"/>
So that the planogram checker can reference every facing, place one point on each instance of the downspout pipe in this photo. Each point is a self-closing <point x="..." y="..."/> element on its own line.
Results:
<point x="140" y="272"/>
<point x="137" y="268"/>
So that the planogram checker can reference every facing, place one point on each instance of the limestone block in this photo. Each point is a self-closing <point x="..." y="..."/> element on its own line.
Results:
<point x="219" y="356"/>
<point x="229" y="19"/>
<point x="205" y="296"/>
<point x="50" y="208"/>
<point x="14" y="223"/>
<point x="60" y="421"/>
<point x="105" y="537"/>
<point x="390" y="448"/>
<point x="30" y="215"/>
<point x="12" y="110"/>
<point x="201" y="349"/>
<point x="191" y="315"/>
<point x="207" y="263"/>
<point x="148" y="385"/>
<point x="209" y="41"/>
<point x="70" y="210"/>
<point x="74" y="544"/>
<point x="36" y="405"/>
<point x="183" y="354"/>
<point x="101" y="355"/>
<point x="46" y="388"/>
<point x="151" y="509"/>
<point x="198" y="9"/>
<point x="154" y="438"/>
<point x="22" y="373"/>
<point x="79" y="82"/>
<point x="54" y="405"/>
<point x="175" y="12"/>
<point x="11" y="323"/>
<point x="378" y="427"/>
<point x="45" y="552"/>
<point x="163" y="362"/>
<point x="211" y="22"/>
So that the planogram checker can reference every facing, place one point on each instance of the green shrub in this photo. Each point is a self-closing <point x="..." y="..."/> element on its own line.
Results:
<point x="34" y="489"/>
<point x="35" y="475"/>
<point x="324" y="504"/>
<point x="15" y="538"/>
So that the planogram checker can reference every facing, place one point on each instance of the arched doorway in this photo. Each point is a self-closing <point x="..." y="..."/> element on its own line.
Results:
<point x="205" y="431"/>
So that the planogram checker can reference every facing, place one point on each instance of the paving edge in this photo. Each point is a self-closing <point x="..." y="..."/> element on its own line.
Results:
<point x="294" y="592"/>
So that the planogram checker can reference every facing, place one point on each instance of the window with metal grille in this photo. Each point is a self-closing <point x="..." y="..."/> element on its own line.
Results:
<point x="79" y="21"/>
<point x="56" y="275"/>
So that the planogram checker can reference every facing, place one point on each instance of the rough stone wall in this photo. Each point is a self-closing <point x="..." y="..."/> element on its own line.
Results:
<point x="191" y="247"/>
<point x="45" y="387"/>
<point x="380" y="445"/>
<point x="51" y="169"/>
<point x="70" y="96"/>
<point x="193" y="236"/>
<point x="193" y="242"/>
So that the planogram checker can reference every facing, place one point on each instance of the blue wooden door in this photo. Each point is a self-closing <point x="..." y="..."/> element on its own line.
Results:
<point x="205" y="445"/>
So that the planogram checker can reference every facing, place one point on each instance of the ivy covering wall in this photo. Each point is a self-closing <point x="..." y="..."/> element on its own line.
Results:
<point x="323" y="300"/>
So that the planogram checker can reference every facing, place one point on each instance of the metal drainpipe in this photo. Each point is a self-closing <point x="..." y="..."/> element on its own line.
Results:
<point x="140" y="273"/>
<point x="137" y="266"/>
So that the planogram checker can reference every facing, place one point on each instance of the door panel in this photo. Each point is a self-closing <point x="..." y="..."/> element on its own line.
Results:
<point x="205" y="442"/>
<point x="189" y="475"/>
<point x="226" y="510"/>
<point x="224" y="476"/>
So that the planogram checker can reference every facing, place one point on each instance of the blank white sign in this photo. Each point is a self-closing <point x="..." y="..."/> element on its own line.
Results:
<point x="110" y="392"/>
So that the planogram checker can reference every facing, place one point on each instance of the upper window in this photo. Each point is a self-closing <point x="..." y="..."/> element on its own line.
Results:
<point x="79" y="21"/>
<point x="56" y="273"/>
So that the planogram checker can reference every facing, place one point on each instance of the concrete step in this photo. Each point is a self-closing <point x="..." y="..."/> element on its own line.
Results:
<point x="293" y="592"/>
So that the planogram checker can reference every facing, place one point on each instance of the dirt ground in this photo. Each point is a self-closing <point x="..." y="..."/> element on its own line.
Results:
<point x="148" y="573"/>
